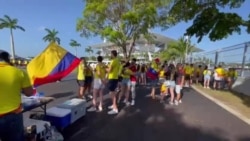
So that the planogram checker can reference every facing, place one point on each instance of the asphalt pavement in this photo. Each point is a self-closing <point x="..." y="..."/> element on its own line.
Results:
<point x="196" y="119"/>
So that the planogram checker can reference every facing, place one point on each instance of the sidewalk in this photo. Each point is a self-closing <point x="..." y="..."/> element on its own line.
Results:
<point x="233" y="103"/>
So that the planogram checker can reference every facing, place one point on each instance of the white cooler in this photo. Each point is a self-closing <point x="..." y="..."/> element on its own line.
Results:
<point x="40" y="126"/>
<point x="77" y="107"/>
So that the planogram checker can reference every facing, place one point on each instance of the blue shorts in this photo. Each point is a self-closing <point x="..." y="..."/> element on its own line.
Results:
<point x="11" y="127"/>
<point x="126" y="82"/>
<point x="88" y="80"/>
<point x="154" y="82"/>
<point x="207" y="77"/>
<point x="112" y="84"/>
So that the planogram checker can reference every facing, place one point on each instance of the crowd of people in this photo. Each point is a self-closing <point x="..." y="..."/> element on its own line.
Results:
<point x="122" y="76"/>
<point x="119" y="76"/>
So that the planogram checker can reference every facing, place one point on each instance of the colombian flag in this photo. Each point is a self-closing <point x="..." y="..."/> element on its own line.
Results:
<point x="51" y="65"/>
<point x="152" y="72"/>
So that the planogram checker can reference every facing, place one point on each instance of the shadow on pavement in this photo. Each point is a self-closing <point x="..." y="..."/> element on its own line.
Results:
<point x="245" y="88"/>
<point x="147" y="121"/>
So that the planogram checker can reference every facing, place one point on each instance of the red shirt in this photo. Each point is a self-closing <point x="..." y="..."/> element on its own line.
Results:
<point x="133" y="69"/>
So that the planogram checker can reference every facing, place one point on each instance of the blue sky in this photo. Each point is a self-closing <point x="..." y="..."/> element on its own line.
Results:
<point x="35" y="15"/>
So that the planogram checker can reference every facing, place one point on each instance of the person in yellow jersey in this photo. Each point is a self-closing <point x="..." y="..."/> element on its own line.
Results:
<point x="81" y="78"/>
<point x="99" y="84"/>
<point x="198" y="74"/>
<point x="192" y="75"/>
<point x="162" y="74"/>
<point x="232" y="76"/>
<point x="113" y="73"/>
<point x="126" y="83"/>
<point x="13" y="81"/>
<point x="188" y="69"/>
<point x="118" y="89"/>
<point x="219" y="78"/>
<point x="88" y="80"/>
<point x="207" y="77"/>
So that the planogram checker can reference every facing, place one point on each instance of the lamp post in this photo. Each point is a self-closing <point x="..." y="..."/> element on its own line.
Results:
<point x="187" y="44"/>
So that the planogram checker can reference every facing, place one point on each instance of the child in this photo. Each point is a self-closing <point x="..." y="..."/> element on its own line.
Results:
<point x="164" y="91"/>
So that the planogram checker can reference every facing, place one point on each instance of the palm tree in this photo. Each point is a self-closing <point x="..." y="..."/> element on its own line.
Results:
<point x="89" y="50"/>
<point x="51" y="36"/>
<point x="180" y="49"/>
<point x="7" y="22"/>
<point x="99" y="53"/>
<point x="74" y="44"/>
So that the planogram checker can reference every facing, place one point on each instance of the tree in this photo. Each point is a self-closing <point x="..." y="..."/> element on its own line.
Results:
<point x="51" y="36"/>
<point x="74" y="44"/>
<point x="177" y="49"/>
<point x="7" y="22"/>
<point x="89" y="50"/>
<point x="208" y="19"/>
<point x="99" y="53"/>
<point x="122" y="21"/>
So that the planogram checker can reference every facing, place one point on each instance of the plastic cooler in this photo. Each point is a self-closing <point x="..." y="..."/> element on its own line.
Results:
<point x="77" y="107"/>
<point x="58" y="117"/>
<point x="40" y="127"/>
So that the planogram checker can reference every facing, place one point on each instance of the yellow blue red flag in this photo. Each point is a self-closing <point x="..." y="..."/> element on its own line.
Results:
<point x="51" y="65"/>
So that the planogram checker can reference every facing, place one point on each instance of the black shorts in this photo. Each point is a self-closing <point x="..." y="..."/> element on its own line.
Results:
<point x="187" y="76"/>
<point x="120" y="79"/>
<point x="88" y="80"/>
<point x="112" y="84"/>
<point x="81" y="83"/>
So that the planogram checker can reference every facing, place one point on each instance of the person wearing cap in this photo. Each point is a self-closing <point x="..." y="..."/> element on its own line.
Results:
<point x="13" y="81"/>
<point x="156" y="67"/>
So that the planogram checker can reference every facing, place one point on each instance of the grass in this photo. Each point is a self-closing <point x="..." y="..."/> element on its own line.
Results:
<point x="236" y="101"/>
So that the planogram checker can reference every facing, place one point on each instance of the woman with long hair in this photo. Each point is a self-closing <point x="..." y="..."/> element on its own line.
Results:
<point x="207" y="77"/>
<point x="99" y="84"/>
<point x="170" y="78"/>
<point x="125" y="84"/>
<point x="143" y="74"/>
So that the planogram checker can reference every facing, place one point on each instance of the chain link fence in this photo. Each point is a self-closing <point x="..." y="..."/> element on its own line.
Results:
<point x="236" y="56"/>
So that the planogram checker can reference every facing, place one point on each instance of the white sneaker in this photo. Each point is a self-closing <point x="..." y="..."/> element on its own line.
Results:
<point x="127" y="103"/>
<point x="110" y="107"/>
<point x="176" y="102"/>
<point x="92" y="109"/>
<point x="171" y="103"/>
<point x="180" y="101"/>
<point x="100" y="108"/>
<point x="113" y="111"/>
<point x="124" y="101"/>
<point x="90" y="96"/>
<point x="133" y="102"/>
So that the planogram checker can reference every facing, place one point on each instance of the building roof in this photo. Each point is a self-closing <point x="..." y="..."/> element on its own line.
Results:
<point x="158" y="39"/>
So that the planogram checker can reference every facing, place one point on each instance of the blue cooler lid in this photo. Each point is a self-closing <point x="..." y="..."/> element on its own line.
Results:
<point x="58" y="112"/>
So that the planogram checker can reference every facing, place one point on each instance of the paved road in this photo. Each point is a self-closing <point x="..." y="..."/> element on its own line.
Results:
<point x="196" y="119"/>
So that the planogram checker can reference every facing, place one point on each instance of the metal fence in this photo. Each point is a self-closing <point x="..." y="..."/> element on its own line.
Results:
<point x="237" y="56"/>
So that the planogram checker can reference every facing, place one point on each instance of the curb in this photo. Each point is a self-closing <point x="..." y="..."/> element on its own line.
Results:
<point x="224" y="106"/>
